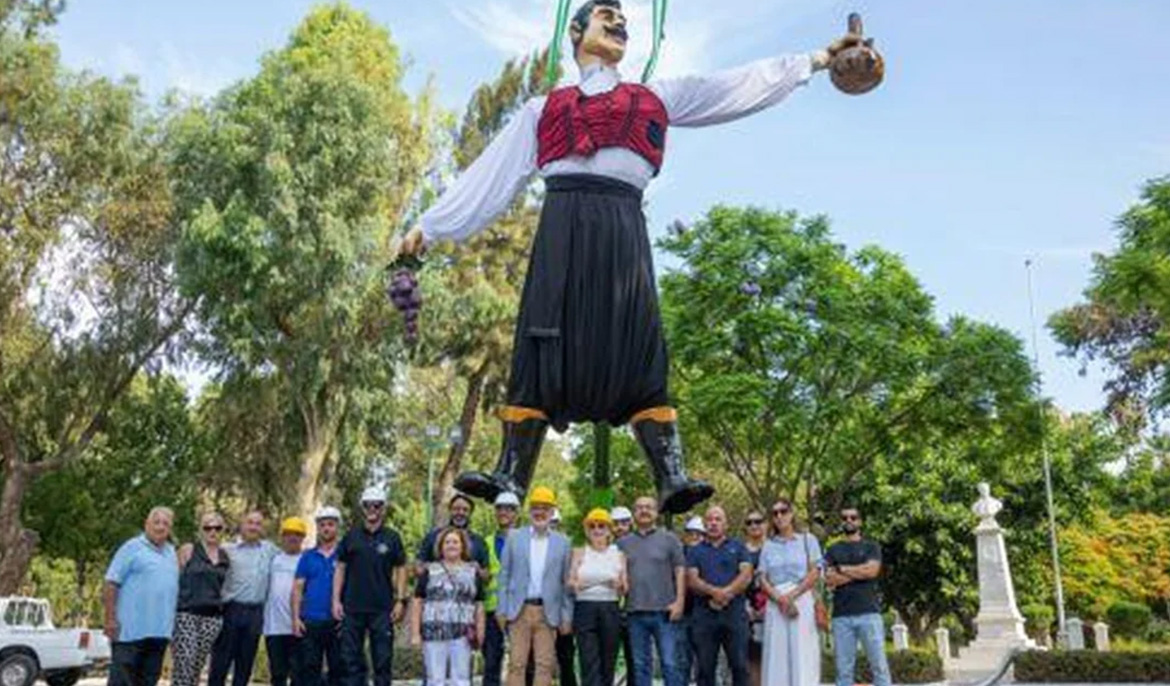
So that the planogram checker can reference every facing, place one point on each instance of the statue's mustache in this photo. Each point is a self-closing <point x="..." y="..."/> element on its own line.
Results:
<point x="617" y="32"/>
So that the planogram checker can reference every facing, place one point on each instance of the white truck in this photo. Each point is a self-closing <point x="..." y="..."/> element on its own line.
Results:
<point x="31" y="647"/>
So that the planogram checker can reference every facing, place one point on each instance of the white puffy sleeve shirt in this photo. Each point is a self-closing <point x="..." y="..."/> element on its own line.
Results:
<point x="487" y="187"/>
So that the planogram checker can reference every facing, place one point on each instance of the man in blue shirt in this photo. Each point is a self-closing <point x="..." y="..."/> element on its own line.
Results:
<point x="312" y="604"/>
<point x="718" y="572"/>
<point x="140" y="597"/>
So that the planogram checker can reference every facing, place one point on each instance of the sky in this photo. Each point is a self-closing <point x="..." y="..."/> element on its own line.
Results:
<point x="1005" y="131"/>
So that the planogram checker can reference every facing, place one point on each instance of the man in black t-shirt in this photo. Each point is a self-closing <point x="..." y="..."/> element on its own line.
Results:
<point x="369" y="592"/>
<point x="852" y="566"/>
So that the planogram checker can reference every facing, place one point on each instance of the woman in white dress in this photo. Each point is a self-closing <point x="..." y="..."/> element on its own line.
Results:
<point x="789" y="568"/>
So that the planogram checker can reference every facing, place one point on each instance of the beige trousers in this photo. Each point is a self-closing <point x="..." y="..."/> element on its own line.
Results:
<point x="531" y="633"/>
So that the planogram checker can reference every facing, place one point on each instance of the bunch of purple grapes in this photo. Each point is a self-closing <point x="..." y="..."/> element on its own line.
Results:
<point x="407" y="299"/>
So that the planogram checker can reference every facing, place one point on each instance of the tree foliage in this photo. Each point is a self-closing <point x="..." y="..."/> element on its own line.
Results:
<point x="797" y="362"/>
<point x="87" y="296"/>
<point x="1114" y="559"/>
<point x="1125" y="319"/>
<point x="289" y="187"/>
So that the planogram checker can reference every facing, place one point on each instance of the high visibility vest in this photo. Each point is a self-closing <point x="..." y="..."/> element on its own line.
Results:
<point x="491" y="592"/>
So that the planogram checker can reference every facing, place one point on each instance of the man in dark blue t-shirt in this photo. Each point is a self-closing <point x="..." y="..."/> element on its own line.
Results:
<point x="460" y="507"/>
<point x="369" y="592"/>
<point x="718" y="572"/>
<point x="852" y="566"/>
<point x="312" y="604"/>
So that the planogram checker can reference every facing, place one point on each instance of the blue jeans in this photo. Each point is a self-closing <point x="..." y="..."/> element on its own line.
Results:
<point x="656" y="626"/>
<point x="870" y="630"/>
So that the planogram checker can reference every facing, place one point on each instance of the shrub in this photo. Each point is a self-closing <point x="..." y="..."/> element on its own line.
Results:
<point x="1038" y="620"/>
<point x="1127" y="619"/>
<point x="1158" y="632"/>
<point x="1090" y="666"/>
<point x="914" y="666"/>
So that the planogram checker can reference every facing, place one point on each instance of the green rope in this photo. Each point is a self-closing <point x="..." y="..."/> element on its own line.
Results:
<point x="554" y="49"/>
<point x="659" y="22"/>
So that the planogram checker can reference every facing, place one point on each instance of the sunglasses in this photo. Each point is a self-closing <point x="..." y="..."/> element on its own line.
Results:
<point x="851" y="518"/>
<point x="780" y="511"/>
<point x="212" y="527"/>
<point x="373" y="506"/>
<point x="594" y="526"/>
<point x="755" y="521"/>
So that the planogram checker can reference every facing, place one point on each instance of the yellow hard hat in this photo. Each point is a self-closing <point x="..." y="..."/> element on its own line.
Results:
<point x="598" y="514"/>
<point x="542" y="495"/>
<point x="294" y="525"/>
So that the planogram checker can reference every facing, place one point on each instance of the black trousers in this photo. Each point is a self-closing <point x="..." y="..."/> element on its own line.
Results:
<point x="566" y="674"/>
<point x="235" y="647"/>
<point x="596" y="626"/>
<point x="493" y="651"/>
<point x="726" y="629"/>
<point x="320" y="645"/>
<point x="283" y="660"/>
<point x="355" y="628"/>
<point x="627" y="650"/>
<point x="589" y="342"/>
<point x="137" y="663"/>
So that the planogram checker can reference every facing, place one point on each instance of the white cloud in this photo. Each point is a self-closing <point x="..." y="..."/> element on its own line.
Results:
<point x="186" y="73"/>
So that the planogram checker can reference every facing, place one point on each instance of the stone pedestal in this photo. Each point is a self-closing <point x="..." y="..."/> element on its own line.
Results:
<point x="1076" y="634"/>
<point x="1101" y="636"/>
<point x="942" y="640"/>
<point x="901" y="636"/>
<point x="999" y="626"/>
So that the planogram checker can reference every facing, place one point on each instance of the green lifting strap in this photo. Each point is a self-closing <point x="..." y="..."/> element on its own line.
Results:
<point x="554" y="48"/>
<point x="658" y="36"/>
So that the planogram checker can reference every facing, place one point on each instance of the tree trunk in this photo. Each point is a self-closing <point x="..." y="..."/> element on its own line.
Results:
<point x="313" y="460"/>
<point x="81" y="568"/>
<point x="17" y="544"/>
<point x="454" y="463"/>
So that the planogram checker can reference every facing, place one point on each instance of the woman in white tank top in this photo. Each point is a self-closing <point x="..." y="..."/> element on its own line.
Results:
<point x="597" y="577"/>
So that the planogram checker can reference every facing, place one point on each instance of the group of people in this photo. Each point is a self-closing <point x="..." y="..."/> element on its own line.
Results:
<point x="634" y="587"/>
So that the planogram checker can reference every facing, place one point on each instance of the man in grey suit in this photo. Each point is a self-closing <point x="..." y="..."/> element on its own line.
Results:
<point x="534" y="600"/>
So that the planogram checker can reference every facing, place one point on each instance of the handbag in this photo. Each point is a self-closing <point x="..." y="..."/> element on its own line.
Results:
<point x="820" y="612"/>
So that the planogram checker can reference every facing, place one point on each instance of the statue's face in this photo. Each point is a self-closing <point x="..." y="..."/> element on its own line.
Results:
<point x="605" y="36"/>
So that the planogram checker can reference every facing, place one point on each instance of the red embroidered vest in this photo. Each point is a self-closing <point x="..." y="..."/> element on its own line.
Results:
<point x="629" y="116"/>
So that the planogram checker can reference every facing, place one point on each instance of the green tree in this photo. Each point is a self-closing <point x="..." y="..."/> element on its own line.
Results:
<point x="87" y="299"/>
<point x="918" y="506"/>
<point x="1125" y="319"/>
<point x="290" y="186"/>
<point x="1115" y="559"/>
<point x="799" y="364"/>
<point x="148" y="455"/>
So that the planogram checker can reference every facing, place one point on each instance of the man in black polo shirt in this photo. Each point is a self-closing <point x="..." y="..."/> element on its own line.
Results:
<point x="852" y="567"/>
<point x="718" y="571"/>
<point x="369" y="592"/>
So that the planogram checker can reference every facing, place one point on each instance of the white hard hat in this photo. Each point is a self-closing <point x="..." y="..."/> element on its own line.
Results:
<point x="619" y="513"/>
<point x="327" y="512"/>
<point x="695" y="524"/>
<point x="373" y="494"/>
<point x="556" y="514"/>
<point x="507" y="499"/>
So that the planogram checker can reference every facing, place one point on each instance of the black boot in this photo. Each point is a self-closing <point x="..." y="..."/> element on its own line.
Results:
<point x="676" y="493"/>
<point x="522" y="441"/>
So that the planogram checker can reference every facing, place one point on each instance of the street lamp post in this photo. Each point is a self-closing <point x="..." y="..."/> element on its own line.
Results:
<point x="433" y="444"/>
<point x="1061" y="633"/>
